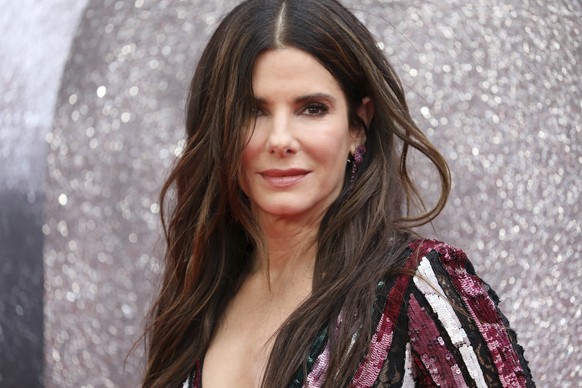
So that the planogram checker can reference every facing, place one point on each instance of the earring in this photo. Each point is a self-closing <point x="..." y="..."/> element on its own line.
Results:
<point x="358" y="159"/>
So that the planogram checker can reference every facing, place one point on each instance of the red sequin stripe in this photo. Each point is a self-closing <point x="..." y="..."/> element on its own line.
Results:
<point x="421" y="248"/>
<point x="370" y="368"/>
<point x="196" y="381"/>
<point x="484" y="311"/>
<point x="429" y="348"/>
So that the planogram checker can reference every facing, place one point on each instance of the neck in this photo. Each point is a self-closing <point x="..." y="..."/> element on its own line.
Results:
<point x="291" y="248"/>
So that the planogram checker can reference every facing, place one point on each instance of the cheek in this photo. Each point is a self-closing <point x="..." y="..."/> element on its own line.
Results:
<point x="253" y="145"/>
<point x="250" y="155"/>
<point x="338" y="144"/>
<point x="248" y="161"/>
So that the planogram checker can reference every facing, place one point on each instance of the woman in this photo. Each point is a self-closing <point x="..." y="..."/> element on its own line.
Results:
<point x="290" y="255"/>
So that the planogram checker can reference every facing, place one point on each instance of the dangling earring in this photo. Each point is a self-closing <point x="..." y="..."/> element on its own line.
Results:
<point x="358" y="158"/>
<point x="356" y="161"/>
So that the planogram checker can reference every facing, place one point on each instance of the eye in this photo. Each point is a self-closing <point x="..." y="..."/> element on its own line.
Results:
<point x="316" y="109"/>
<point x="256" y="112"/>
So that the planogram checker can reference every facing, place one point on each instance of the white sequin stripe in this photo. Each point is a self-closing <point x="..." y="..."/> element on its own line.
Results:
<point x="433" y="291"/>
<point x="407" y="380"/>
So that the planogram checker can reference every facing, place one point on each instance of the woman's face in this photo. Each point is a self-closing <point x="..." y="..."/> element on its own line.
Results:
<point x="294" y="162"/>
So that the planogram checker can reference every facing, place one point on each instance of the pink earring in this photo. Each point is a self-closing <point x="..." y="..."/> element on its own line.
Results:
<point x="358" y="158"/>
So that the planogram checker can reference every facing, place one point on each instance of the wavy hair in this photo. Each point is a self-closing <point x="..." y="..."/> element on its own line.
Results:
<point x="210" y="231"/>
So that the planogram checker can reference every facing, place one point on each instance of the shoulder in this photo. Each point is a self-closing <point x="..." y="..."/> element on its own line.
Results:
<point x="446" y="287"/>
<point x="438" y="252"/>
<point x="454" y="322"/>
<point x="438" y="264"/>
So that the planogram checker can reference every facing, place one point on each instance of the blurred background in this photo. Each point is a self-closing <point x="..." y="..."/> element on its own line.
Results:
<point x="91" y="118"/>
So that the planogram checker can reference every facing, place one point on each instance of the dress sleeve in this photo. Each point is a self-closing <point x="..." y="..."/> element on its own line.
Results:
<point x="458" y="336"/>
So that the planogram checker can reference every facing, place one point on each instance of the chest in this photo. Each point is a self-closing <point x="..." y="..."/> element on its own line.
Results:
<point x="238" y="355"/>
<point x="242" y="344"/>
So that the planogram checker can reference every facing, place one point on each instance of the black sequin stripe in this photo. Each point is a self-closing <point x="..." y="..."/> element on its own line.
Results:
<point x="393" y="370"/>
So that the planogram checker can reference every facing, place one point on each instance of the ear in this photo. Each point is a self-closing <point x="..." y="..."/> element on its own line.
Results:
<point x="365" y="112"/>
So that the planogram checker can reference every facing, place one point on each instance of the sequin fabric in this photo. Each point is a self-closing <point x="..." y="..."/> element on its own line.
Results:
<point x="441" y="327"/>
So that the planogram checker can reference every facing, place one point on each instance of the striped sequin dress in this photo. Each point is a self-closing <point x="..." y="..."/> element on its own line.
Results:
<point x="441" y="327"/>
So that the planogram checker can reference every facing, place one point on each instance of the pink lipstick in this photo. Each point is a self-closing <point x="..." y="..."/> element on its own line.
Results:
<point x="284" y="178"/>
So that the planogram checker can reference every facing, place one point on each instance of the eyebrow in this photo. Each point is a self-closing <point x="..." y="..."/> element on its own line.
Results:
<point x="306" y="98"/>
<point x="316" y="96"/>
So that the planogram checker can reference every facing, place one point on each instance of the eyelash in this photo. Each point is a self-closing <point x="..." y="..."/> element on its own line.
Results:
<point x="321" y="109"/>
<point x="257" y="112"/>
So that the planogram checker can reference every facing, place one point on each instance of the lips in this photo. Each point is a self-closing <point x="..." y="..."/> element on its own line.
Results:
<point x="284" y="178"/>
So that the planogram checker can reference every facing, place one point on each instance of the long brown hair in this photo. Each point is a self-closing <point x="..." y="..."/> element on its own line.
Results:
<point x="210" y="232"/>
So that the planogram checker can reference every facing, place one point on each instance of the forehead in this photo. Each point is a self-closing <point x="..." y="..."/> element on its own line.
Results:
<point x="291" y="70"/>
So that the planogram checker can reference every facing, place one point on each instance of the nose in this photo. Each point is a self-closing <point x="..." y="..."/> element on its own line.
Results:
<point x="281" y="140"/>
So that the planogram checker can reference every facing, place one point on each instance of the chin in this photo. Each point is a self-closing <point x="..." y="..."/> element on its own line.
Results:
<point x="291" y="211"/>
<point x="284" y="211"/>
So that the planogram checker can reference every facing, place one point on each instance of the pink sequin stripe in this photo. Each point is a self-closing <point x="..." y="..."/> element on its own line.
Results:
<point x="425" y="340"/>
<point x="316" y="376"/>
<point x="484" y="312"/>
<point x="370" y="368"/>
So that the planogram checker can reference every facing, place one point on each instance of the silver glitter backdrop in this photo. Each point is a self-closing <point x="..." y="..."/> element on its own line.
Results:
<point x="496" y="85"/>
<point x="35" y="41"/>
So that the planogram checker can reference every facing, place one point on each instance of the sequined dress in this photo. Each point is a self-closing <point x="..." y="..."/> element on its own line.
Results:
<point x="439" y="328"/>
